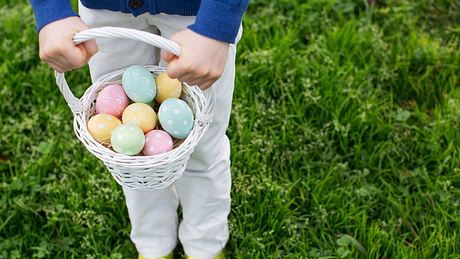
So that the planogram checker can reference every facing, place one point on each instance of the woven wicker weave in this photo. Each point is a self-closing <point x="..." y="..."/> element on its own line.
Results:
<point x="138" y="172"/>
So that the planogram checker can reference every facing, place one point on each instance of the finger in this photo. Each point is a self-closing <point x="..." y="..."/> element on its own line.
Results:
<point x="176" y="69"/>
<point x="166" y="56"/>
<point x="91" y="47"/>
<point x="59" y="63"/>
<point x="201" y="83"/>
<point x="63" y="62"/>
<point x="85" y="53"/>
<point x="56" y="66"/>
<point x="76" y="55"/>
<point x="206" y="85"/>
<point x="197" y="79"/>
<point x="190" y="79"/>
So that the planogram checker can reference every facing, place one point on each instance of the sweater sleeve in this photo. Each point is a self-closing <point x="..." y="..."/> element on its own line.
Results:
<point x="219" y="19"/>
<point x="48" y="11"/>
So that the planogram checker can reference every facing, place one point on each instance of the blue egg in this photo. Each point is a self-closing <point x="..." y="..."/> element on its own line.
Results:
<point x="176" y="118"/>
<point x="139" y="84"/>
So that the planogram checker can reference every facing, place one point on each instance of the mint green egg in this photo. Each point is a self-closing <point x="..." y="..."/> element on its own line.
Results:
<point x="139" y="84"/>
<point x="176" y="118"/>
<point x="128" y="139"/>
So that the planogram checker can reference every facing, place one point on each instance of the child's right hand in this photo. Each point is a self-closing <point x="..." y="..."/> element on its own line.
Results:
<point x="57" y="48"/>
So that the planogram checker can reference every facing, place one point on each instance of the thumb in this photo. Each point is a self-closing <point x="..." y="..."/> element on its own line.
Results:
<point x="166" y="56"/>
<point x="84" y="54"/>
<point x="87" y="49"/>
<point x="91" y="47"/>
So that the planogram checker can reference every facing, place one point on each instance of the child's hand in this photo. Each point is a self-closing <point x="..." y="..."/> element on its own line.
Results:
<point x="57" y="48"/>
<point x="202" y="60"/>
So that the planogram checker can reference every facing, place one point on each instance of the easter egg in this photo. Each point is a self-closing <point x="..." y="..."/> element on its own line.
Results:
<point x="176" y="117"/>
<point x="139" y="84"/>
<point x="128" y="139"/>
<point x="157" y="142"/>
<point x="112" y="100"/>
<point x="100" y="127"/>
<point x="140" y="114"/>
<point x="167" y="87"/>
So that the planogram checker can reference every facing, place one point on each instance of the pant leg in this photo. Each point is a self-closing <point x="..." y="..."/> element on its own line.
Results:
<point x="153" y="214"/>
<point x="204" y="188"/>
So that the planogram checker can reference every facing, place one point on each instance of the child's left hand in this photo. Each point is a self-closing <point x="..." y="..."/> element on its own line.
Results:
<point x="202" y="60"/>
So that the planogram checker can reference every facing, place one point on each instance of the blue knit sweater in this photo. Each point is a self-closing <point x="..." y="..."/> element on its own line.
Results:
<point x="216" y="19"/>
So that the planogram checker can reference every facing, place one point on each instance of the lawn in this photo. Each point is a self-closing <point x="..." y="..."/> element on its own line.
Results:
<point x="345" y="138"/>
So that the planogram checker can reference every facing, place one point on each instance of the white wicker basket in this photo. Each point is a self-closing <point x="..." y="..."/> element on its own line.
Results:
<point x="138" y="172"/>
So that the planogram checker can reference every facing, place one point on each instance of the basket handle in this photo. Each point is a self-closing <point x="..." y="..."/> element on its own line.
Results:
<point x="74" y="103"/>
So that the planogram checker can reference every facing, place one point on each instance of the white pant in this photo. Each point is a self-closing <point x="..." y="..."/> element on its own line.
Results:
<point x="204" y="188"/>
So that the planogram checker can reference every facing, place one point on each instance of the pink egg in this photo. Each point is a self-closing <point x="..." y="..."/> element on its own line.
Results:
<point x="157" y="142"/>
<point x="112" y="100"/>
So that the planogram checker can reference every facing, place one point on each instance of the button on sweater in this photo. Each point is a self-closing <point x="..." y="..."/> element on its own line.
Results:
<point x="216" y="19"/>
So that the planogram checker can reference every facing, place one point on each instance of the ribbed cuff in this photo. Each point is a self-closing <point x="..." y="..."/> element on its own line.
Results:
<point x="218" y="20"/>
<point x="48" y="11"/>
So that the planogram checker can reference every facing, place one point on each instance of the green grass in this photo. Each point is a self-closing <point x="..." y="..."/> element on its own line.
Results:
<point x="345" y="134"/>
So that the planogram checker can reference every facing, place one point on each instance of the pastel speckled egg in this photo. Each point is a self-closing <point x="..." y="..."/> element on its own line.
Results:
<point x="176" y="117"/>
<point x="128" y="139"/>
<point x="139" y="84"/>
<point x="142" y="115"/>
<point x="167" y="87"/>
<point x="101" y="126"/>
<point x="157" y="142"/>
<point x="112" y="100"/>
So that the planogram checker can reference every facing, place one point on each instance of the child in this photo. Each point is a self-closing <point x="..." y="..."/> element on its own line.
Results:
<point x="208" y="31"/>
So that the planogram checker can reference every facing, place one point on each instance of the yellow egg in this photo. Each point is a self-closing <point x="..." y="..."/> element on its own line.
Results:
<point x="167" y="87"/>
<point x="140" y="114"/>
<point x="100" y="127"/>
